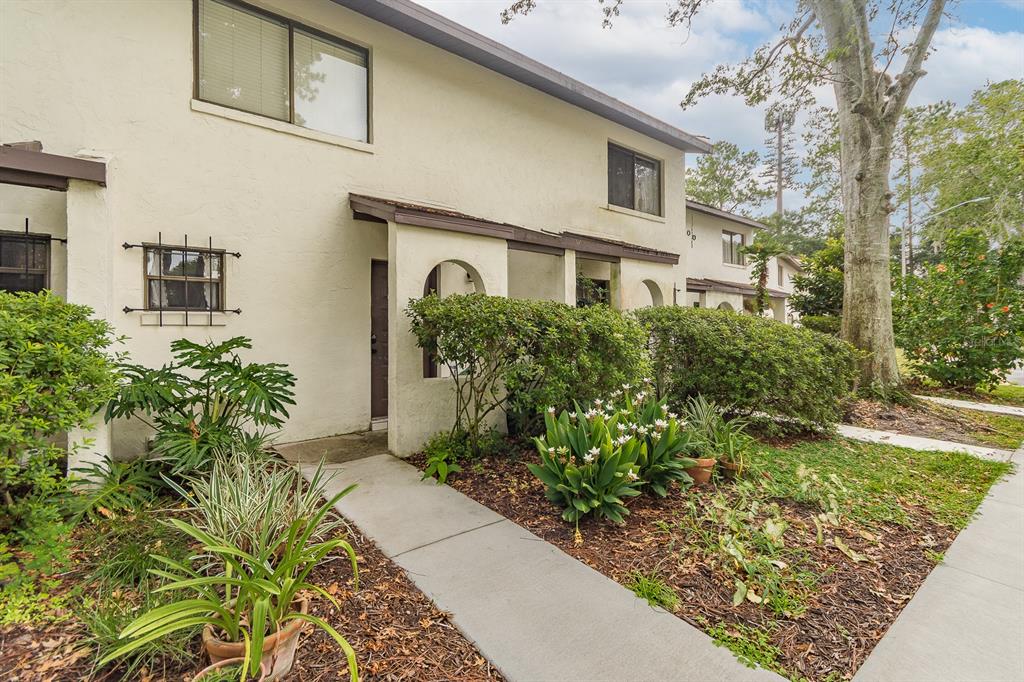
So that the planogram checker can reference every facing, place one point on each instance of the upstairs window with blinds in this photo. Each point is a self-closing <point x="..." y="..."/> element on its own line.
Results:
<point x="634" y="181"/>
<point x="267" y="65"/>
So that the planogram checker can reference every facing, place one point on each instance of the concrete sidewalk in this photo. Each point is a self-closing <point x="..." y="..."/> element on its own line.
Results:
<point x="972" y="405"/>
<point x="535" y="612"/>
<point x="966" y="622"/>
<point x="921" y="443"/>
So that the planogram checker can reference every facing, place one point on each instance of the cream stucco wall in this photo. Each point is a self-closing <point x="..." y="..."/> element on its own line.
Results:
<point x="117" y="77"/>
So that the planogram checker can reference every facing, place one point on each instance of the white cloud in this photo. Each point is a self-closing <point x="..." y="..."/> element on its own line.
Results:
<point x="964" y="59"/>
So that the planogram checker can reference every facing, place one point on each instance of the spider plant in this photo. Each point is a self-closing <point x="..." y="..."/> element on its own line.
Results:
<point x="251" y="597"/>
<point x="249" y="497"/>
<point x="724" y="438"/>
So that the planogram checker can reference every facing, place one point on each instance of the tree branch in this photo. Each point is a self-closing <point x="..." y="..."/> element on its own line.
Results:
<point x="904" y="83"/>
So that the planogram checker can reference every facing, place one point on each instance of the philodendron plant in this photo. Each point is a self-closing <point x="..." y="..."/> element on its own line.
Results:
<point x="584" y="468"/>
<point x="254" y="595"/>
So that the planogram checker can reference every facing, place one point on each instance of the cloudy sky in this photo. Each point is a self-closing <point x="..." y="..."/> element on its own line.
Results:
<point x="644" y="62"/>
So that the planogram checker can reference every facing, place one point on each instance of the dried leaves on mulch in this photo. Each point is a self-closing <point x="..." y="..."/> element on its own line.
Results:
<point x="396" y="631"/>
<point x="850" y="607"/>
<point x="918" y="419"/>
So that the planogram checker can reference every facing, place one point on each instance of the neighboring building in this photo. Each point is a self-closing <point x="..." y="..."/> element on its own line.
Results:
<point x="297" y="171"/>
<point x="718" y="275"/>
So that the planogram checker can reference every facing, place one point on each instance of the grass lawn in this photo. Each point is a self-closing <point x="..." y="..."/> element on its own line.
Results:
<point x="932" y="420"/>
<point x="1008" y="394"/>
<point x="1003" y="431"/>
<point x="800" y="566"/>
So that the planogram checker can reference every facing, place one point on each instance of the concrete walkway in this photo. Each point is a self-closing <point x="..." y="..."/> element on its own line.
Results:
<point x="972" y="405"/>
<point x="920" y="443"/>
<point x="535" y="612"/>
<point x="966" y="622"/>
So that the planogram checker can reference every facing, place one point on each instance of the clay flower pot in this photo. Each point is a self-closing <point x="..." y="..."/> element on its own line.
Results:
<point x="278" y="648"/>
<point x="701" y="473"/>
<point x="730" y="470"/>
<point x="227" y="663"/>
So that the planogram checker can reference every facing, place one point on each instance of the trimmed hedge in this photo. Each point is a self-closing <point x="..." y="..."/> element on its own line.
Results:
<point x="754" y="365"/>
<point x="525" y="355"/>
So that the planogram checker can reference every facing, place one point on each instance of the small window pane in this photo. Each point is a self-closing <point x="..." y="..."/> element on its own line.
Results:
<point x="648" y="186"/>
<point x="243" y="60"/>
<point x="179" y="295"/>
<point x="330" y="87"/>
<point x="620" y="177"/>
<point x="19" y="281"/>
<point x="726" y="247"/>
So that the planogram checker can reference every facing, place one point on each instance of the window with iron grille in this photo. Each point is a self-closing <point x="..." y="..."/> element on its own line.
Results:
<point x="24" y="262"/>
<point x="732" y="243"/>
<point x="179" y="278"/>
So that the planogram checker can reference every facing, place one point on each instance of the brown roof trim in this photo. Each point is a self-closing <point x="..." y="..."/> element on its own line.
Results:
<point x="697" y="284"/>
<point x="518" y="238"/>
<point x="432" y="28"/>
<point x="725" y="215"/>
<point x="20" y="166"/>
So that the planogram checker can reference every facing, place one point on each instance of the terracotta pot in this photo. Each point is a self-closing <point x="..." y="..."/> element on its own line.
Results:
<point x="730" y="470"/>
<point x="278" y="648"/>
<point x="227" y="663"/>
<point x="701" y="473"/>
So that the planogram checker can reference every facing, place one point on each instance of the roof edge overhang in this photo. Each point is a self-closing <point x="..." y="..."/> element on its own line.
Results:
<point x="725" y="215"/>
<point x="699" y="284"/>
<point x="377" y="209"/>
<point x="30" y="168"/>
<point x="436" y="30"/>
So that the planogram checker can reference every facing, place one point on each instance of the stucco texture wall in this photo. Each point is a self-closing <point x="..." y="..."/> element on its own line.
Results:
<point x="444" y="131"/>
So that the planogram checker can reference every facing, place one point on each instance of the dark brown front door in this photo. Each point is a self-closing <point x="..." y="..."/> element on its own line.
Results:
<point x="378" y="339"/>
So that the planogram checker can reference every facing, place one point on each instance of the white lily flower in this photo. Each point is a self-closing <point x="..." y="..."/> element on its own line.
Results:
<point x="588" y="458"/>
<point x="551" y="410"/>
<point x="632" y="475"/>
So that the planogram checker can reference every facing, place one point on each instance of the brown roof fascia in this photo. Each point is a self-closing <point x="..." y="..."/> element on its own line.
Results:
<point x="20" y="166"/>
<point x="518" y="238"/>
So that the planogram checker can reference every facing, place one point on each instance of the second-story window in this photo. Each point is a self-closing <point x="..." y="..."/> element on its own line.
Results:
<point x="782" y="276"/>
<point x="267" y="65"/>
<point x="634" y="181"/>
<point x="732" y="245"/>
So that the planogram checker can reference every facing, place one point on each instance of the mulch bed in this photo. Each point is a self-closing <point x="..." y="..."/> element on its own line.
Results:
<point x="918" y="419"/>
<point x="853" y="603"/>
<point x="396" y="631"/>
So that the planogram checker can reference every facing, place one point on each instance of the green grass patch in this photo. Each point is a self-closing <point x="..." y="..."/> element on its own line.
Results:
<point x="1009" y="394"/>
<point x="752" y="646"/>
<point x="120" y="550"/>
<point x="651" y="587"/>
<point x="1007" y="431"/>
<point x="873" y="482"/>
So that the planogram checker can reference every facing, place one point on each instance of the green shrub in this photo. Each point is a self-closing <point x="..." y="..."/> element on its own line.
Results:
<point x="818" y="290"/>
<point x="824" y="324"/>
<point x="522" y="355"/>
<point x="755" y="365"/>
<point x="962" y="322"/>
<point x="56" y="371"/>
<point x="207" y="399"/>
<point x="443" y="451"/>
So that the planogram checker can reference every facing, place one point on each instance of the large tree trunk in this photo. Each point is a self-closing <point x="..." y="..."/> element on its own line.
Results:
<point x="869" y="103"/>
<point x="867" y="294"/>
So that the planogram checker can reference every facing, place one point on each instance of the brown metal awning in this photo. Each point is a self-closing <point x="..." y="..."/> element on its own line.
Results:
<point x="26" y="165"/>
<point x="697" y="285"/>
<point x="377" y="209"/>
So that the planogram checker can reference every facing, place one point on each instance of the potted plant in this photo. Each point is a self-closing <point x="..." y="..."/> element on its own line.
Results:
<point x="254" y="606"/>
<point x="228" y="670"/>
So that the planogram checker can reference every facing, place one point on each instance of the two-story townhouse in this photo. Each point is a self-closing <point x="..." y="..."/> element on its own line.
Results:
<point x="296" y="171"/>
<point x="718" y="274"/>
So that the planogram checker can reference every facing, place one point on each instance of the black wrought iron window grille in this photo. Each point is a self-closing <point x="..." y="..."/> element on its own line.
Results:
<point x="183" y="278"/>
